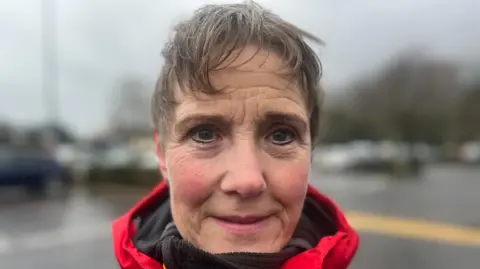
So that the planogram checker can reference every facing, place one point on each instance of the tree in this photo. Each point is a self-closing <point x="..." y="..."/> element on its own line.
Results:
<point x="6" y="133"/>
<point x="468" y="118"/>
<point x="411" y="100"/>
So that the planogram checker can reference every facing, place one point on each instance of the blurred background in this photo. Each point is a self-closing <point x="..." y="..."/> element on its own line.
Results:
<point x="400" y="148"/>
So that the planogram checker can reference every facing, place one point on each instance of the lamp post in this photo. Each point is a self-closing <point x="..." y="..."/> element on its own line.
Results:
<point x="49" y="68"/>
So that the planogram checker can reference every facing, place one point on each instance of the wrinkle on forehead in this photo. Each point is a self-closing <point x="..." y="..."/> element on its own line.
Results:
<point x="253" y="67"/>
<point x="240" y="104"/>
<point x="248" y="90"/>
<point x="247" y="67"/>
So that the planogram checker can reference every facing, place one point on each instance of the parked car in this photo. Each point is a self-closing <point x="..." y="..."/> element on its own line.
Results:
<point x="470" y="152"/>
<point x="32" y="167"/>
<point x="372" y="157"/>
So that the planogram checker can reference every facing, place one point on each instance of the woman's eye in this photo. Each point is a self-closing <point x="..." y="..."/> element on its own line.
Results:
<point x="204" y="135"/>
<point x="282" y="136"/>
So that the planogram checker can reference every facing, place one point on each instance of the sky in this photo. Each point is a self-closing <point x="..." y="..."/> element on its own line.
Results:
<point x="101" y="42"/>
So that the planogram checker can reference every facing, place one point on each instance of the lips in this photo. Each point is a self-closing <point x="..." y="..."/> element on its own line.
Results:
<point x="242" y="225"/>
<point x="242" y="220"/>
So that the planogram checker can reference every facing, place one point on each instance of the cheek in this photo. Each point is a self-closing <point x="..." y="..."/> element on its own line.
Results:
<point x="290" y="183"/>
<point x="188" y="182"/>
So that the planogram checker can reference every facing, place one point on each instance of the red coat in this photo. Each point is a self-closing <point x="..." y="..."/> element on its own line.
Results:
<point x="332" y="252"/>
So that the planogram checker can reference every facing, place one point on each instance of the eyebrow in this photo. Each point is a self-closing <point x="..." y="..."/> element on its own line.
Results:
<point x="285" y="117"/>
<point x="188" y="121"/>
<point x="219" y="119"/>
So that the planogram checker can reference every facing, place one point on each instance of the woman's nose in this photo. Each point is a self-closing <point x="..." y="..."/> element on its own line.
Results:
<point x="245" y="175"/>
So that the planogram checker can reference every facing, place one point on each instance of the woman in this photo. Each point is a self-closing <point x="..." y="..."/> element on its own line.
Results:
<point x="236" y="112"/>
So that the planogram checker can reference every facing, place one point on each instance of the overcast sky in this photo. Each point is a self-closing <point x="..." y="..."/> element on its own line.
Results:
<point x="101" y="41"/>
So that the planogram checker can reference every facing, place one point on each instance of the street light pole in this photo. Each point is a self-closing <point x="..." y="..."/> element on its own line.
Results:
<point x="49" y="69"/>
<point x="49" y="62"/>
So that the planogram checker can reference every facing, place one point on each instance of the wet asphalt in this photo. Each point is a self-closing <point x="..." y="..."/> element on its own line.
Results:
<point x="71" y="230"/>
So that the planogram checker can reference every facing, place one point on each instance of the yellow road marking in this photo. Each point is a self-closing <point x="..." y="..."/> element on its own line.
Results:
<point x="415" y="229"/>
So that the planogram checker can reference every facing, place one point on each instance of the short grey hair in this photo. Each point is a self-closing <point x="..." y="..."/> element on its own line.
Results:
<point x="207" y="41"/>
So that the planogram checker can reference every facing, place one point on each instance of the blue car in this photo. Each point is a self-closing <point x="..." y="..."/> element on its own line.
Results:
<point x="30" y="167"/>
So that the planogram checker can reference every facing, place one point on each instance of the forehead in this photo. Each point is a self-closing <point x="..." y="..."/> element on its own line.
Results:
<point x="253" y="82"/>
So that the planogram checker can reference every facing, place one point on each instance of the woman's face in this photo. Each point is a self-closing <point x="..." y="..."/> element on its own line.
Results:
<point x="238" y="162"/>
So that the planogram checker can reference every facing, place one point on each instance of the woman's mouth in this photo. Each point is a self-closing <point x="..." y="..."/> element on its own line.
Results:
<point x="242" y="224"/>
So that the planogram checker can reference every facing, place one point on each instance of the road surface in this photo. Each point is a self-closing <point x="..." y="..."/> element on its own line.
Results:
<point x="429" y="223"/>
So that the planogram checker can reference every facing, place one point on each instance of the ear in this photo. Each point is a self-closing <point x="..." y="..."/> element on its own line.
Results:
<point x="162" y="163"/>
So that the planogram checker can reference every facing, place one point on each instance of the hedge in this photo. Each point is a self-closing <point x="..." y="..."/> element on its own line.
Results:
<point x="124" y="176"/>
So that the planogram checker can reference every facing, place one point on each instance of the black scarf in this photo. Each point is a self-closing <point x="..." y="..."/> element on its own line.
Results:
<point x="177" y="253"/>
